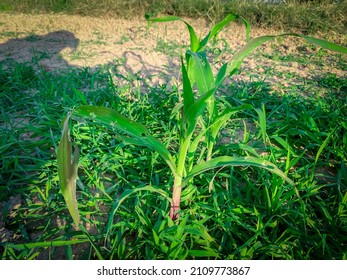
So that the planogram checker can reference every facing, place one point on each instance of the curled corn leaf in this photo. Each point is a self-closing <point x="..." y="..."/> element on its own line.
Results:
<point x="67" y="171"/>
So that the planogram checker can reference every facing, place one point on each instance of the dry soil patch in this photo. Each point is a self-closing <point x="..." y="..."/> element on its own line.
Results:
<point x="58" y="41"/>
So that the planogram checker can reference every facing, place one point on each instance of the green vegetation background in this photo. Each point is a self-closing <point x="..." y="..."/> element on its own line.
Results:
<point x="306" y="15"/>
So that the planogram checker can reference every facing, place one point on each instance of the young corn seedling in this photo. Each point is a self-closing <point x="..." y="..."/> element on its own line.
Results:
<point x="200" y="120"/>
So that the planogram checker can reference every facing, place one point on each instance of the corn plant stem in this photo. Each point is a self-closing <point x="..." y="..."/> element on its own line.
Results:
<point x="176" y="198"/>
<point x="209" y="150"/>
<point x="210" y="136"/>
<point x="177" y="188"/>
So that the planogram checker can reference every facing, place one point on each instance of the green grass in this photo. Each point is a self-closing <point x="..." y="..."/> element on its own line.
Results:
<point x="306" y="16"/>
<point x="234" y="213"/>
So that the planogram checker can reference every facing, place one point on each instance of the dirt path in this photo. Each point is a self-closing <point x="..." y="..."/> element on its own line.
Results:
<point x="58" y="41"/>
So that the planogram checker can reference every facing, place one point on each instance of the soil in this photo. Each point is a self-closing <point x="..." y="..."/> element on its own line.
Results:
<point x="57" y="41"/>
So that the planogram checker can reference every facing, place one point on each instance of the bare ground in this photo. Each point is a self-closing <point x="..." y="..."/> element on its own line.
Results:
<point x="58" y="41"/>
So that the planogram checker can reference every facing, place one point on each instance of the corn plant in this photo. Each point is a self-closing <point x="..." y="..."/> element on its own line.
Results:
<point x="200" y="120"/>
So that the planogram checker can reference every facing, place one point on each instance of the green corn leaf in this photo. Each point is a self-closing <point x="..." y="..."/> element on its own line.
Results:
<point x="248" y="28"/>
<point x="219" y="26"/>
<point x="112" y="118"/>
<point x="243" y="52"/>
<point x="222" y="74"/>
<point x="234" y="161"/>
<point x="216" y="29"/>
<point x="188" y="97"/>
<point x="67" y="171"/>
<point x="320" y="42"/>
<point x="196" y="110"/>
<point x="256" y="42"/>
<point x="200" y="72"/>
<point x="194" y="41"/>
<point x="195" y="44"/>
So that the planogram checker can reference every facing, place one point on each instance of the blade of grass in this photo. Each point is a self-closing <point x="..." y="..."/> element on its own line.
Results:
<point x="262" y="121"/>
<point x="320" y="150"/>
<point x="44" y="244"/>
<point x="95" y="247"/>
<point x="128" y="193"/>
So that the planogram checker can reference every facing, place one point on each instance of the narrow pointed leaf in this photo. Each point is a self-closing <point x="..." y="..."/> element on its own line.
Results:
<point x="216" y="29"/>
<point x="80" y="96"/>
<point x="244" y="51"/>
<point x="52" y="243"/>
<point x="220" y="25"/>
<point x="194" y="41"/>
<point x="112" y="118"/>
<point x="95" y="246"/>
<point x="218" y="122"/>
<point x="196" y="110"/>
<point x="248" y="28"/>
<point x="221" y="75"/>
<point x="256" y="42"/>
<point x="322" y="43"/>
<point x="199" y="71"/>
<point x="188" y="97"/>
<point x="234" y="161"/>
<point x="262" y="121"/>
<point x="67" y="172"/>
